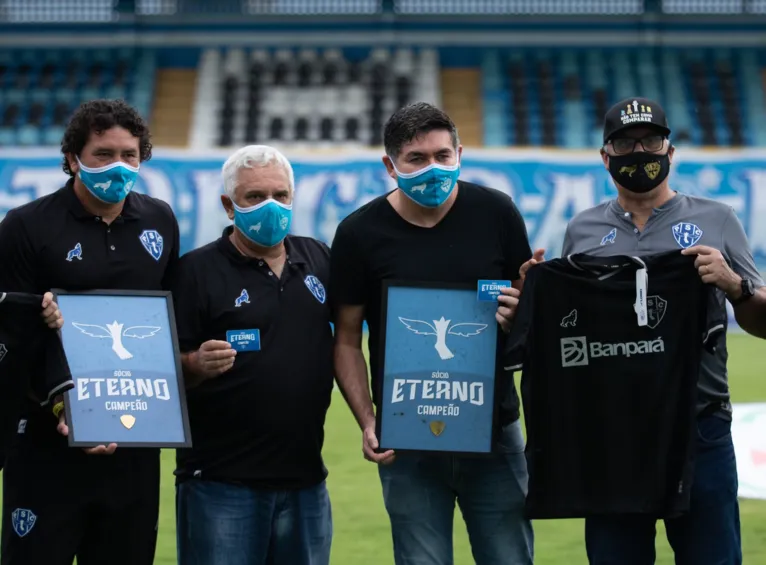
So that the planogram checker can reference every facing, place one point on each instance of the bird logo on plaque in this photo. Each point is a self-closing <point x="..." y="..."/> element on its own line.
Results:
<point x="441" y="329"/>
<point x="115" y="333"/>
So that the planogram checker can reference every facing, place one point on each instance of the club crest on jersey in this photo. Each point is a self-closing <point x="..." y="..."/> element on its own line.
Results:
<point x="23" y="521"/>
<point x="316" y="287"/>
<point x="3" y="351"/>
<point x="75" y="253"/>
<point x="686" y="234"/>
<point x="610" y="237"/>
<point x="243" y="298"/>
<point x="655" y="307"/>
<point x="152" y="242"/>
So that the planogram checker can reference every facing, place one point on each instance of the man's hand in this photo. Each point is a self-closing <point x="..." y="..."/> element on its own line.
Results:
<point x="537" y="257"/>
<point x="506" y="310"/>
<point x="51" y="313"/>
<point x="213" y="358"/>
<point x="63" y="429"/>
<point x="713" y="269"/>
<point x="370" y="444"/>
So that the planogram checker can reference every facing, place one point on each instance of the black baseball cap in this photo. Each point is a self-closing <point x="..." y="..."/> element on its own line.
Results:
<point x="634" y="112"/>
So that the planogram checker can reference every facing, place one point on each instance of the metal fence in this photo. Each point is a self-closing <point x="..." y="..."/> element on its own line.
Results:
<point x="45" y="11"/>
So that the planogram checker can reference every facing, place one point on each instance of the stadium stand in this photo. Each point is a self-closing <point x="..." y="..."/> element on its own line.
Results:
<point x="341" y="95"/>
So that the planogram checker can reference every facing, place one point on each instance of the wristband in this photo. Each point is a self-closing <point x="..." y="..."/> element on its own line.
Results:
<point x="58" y="408"/>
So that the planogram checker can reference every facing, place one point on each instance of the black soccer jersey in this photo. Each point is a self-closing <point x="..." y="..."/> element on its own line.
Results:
<point x="32" y="360"/>
<point x="609" y="404"/>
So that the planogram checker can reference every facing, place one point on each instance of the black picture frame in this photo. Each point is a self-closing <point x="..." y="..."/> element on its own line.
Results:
<point x="167" y="295"/>
<point x="386" y="286"/>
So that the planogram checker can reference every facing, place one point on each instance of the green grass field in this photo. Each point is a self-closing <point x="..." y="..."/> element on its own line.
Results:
<point x="362" y="535"/>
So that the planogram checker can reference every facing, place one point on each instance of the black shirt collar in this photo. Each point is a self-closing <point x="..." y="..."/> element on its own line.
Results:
<point x="129" y="211"/>
<point x="294" y="255"/>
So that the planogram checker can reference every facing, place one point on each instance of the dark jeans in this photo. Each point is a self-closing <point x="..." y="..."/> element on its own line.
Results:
<point x="224" y="524"/>
<point x="420" y="492"/>
<point x="708" y="535"/>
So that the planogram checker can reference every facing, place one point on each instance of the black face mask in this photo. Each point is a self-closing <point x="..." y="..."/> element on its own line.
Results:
<point x="639" y="172"/>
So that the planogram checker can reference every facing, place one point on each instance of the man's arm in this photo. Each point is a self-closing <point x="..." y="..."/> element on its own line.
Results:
<point x="17" y="256"/>
<point x="350" y="365"/>
<point x="751" y="314"/>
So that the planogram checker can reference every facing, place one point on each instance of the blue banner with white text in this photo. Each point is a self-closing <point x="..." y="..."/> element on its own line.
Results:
<point x="549" y="187"/>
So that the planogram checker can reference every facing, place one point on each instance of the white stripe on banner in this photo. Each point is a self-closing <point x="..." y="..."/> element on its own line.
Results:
<point x="749" y="434"/>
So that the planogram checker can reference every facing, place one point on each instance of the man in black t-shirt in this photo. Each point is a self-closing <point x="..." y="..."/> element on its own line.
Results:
<point x="433" y="228"/>
<point x="609" y="388"/>
<point x="31" y="356"/>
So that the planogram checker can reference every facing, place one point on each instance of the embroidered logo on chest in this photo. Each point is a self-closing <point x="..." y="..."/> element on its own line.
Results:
<point x="686" y="234"/>
<point x="243" y="298"/>
<point x="152" y="242"/>
<point x="610" y="237"/>
<point x="316" y="287"/>
<point x="75" y="253"/>
<point x="3" y="351"/>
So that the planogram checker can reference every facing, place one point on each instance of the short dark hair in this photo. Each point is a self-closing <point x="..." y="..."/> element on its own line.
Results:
<point x="98" y="116"/>
<point x="412" y="121"/>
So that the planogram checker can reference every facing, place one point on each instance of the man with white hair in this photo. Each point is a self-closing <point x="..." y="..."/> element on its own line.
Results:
<point x="256" y="343"/>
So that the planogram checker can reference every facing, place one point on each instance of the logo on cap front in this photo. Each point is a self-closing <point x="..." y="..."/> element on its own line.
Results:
<point x="636" y="113"/>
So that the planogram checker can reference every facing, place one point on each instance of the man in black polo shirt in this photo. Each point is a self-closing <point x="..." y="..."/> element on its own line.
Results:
<point x="433" y="228"/>
<point x="256" y="341"/>
<point x="99" y="505"/>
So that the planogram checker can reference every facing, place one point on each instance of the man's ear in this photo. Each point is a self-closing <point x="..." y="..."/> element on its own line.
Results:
<point x="605" y="158"/>
<point x="671" y="152"/>
<point x="74" y="166"/>
<point x="228" y="205"/>
<point x="389" y="166"/>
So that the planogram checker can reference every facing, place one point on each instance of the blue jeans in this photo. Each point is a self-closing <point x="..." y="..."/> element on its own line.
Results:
<point x="420" y="491"/>
<point x="224" y="524"/>
<point x="708" y="535"/>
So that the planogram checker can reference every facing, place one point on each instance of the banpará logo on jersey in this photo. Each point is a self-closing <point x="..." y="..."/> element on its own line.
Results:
<point x="441" y="328"/>
<point x="686" y="234"/>
<point x="609" y="238"/>
<point x="152" y="242"/>
<point x="115" y="332"/>
<point x="3" y="351"/>
<point x="75" y="253"/>
<point x="243" y="298"/>
<point x="23" y="520"/>
<point x="655" y="309"/>
<point x="316" y="287"/>
<point x="578" y="351"/>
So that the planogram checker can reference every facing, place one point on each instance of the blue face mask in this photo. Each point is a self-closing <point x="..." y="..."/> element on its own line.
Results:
<point x="265" y="224"/>
<point x="429" y="187"/>
<point x="110" y="183"/>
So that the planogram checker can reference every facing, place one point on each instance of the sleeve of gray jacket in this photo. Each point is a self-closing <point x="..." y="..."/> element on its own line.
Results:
<point x="737" y="249"/>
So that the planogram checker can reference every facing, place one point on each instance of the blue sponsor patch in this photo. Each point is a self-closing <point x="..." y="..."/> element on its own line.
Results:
<point x="488" y="291"/>
<point x="244" y="340"/>
<point x="686" y="234"/>
<point x="23" y="521"/>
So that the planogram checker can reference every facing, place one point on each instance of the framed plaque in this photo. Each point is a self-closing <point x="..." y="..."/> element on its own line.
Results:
<point x="122" y="348"/>
<point x="436" y="386"/>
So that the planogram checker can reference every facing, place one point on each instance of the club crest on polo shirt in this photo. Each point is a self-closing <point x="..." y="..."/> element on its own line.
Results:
<point x="3" y="351"/>
<point x="75" y="253"/>
<point x="609" y="238"/>
<point x="23" y="521"/>
<point x="686" y="234"/>
<point x="152" y="242"/>
<point x="316" y="287"/>
<point x="243" y="298"/>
